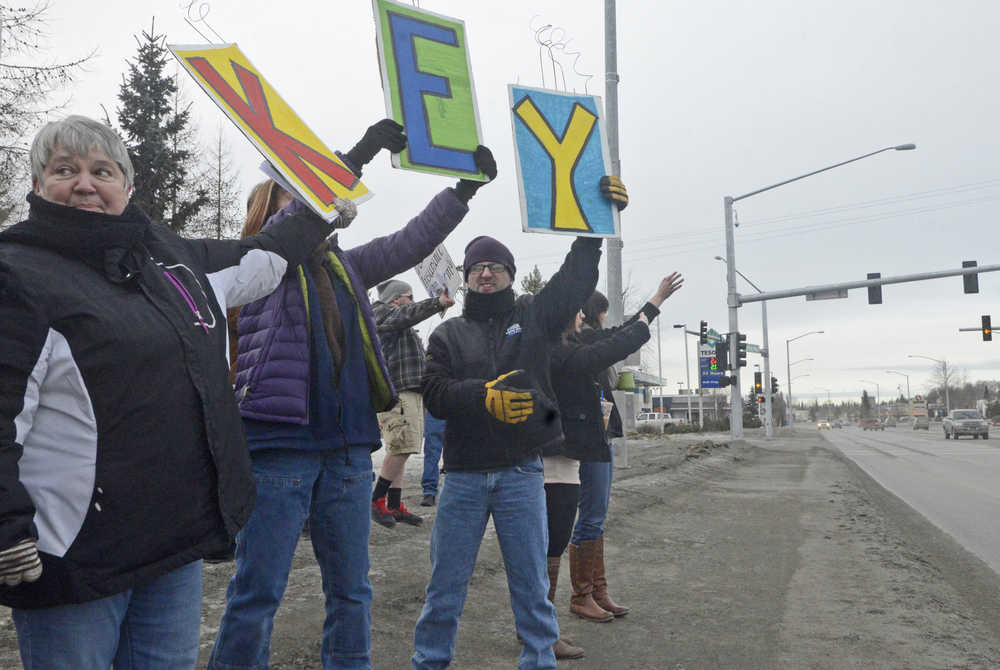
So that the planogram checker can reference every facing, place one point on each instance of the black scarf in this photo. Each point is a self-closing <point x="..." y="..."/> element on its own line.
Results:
<point x="108" y="243"/>
<point x="482" y="306"/>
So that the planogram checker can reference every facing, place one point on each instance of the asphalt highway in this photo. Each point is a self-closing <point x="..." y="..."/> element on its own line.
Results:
<point x="955" y="484"/>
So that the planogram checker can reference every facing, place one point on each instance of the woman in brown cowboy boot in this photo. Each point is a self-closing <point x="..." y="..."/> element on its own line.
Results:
<point x="587" y="438"/>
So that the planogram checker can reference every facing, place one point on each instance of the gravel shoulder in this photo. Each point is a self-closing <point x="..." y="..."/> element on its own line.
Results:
<point x="758" y="554"/>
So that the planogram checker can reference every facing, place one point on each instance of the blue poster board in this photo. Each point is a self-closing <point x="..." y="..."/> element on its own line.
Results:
<point x="561" y="149"/>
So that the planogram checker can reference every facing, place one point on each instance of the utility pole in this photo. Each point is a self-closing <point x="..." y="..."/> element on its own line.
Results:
<point x="616" y="310"/>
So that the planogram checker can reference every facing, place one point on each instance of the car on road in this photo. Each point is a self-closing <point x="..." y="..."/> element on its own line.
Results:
<point x="965" y="422"/>
<point x="657" y="420"/>
<point x="871" y="424"/>
<point x="823" y="424"/>
<point x="889" y="422"/>
<point x="838" y="423"/>
<point x="921" y="422"/>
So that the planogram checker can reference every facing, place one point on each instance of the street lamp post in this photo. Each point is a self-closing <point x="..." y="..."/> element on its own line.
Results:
<point x="766" y="353"/>
<point x="878" y="406"/>
<point x="944" y="375"/>
<point x="687" y="366"/>
<point x="788" y="369"/>
<point x="659" y="355"/>
<point x="733" y="296"/>
<point x="903" y="374"/>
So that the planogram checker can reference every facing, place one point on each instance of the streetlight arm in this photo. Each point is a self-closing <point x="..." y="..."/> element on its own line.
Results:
<point x="811" y="332"/>
<point x="745" y="278"/>
<point x="898" y="147"/>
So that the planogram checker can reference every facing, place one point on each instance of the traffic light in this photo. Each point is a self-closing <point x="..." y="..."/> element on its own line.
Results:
<point x="722" y="354"/>
<point x="874" y="292"/>
<point x="758" y="383"/>
<point x="970" y="283"/>
<point x="987" y="329"/>
<point x="741" y="351"/>
<point x="774" y="385"/>
<point x="703" y="333"/>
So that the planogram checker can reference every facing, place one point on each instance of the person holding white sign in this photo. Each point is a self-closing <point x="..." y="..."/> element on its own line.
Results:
<point x="403" y="426"/>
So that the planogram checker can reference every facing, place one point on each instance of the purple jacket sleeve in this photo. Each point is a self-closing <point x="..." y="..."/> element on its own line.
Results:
<point x="388" y="256"/>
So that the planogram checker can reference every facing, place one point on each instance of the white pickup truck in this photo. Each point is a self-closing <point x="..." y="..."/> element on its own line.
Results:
<point x="965" y="422"/>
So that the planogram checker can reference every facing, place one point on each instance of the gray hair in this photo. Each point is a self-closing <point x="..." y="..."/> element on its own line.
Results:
<point x="78" y="135"/>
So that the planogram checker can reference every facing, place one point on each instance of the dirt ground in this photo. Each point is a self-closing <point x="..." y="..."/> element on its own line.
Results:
<point x="764" y="554"/>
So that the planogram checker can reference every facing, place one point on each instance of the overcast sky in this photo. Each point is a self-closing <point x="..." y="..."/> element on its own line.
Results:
<point x="717" y="97"/>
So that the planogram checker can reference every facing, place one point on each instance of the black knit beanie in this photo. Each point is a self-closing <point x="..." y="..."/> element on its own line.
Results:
<point x="484" y="249"/>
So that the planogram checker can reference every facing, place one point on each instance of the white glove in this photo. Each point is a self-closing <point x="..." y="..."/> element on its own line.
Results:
<point x="347" y="210"/>
<point x="20" y="563"/>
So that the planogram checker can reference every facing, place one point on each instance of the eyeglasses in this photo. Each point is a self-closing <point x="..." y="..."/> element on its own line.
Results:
<point x="494" y="268"/>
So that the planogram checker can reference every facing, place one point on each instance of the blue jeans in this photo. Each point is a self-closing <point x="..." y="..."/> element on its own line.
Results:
<point x="154" y="626"/>
<point x="433" y="446"/>
<point x="515" y="497"/>
<point x="335" y="495"/>
<point x="595" y="497"/>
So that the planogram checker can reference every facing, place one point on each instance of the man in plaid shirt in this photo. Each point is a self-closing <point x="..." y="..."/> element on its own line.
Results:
<point x="403" y="426"/>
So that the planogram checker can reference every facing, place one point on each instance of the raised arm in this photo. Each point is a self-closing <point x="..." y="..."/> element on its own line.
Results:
<point x="564" y="294"/>
<point x="389" y="318"/>
<point x="590" y="359"/>
<point x="388" y="256"/>
<point x="248" y="269"/>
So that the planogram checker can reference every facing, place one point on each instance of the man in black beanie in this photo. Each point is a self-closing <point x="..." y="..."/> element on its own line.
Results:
<point x="487" y="376"/>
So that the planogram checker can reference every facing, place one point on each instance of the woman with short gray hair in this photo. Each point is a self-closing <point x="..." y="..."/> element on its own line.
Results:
<point x="122" y="458"/>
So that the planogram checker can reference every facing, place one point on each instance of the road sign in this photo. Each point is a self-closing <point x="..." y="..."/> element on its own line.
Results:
<point x="708" y="365"/>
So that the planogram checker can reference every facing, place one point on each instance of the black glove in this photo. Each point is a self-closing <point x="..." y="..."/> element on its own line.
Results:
<point x="386" y="134"/>
<point x="483" y="157"/>
<point x="614" y="190"/>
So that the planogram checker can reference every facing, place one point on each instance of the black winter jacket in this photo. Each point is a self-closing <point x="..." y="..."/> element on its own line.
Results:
<point x="121" y="448"/>
<point x="576" y="368"/>
<point x="494" y="335"/>
<point x="589" y="335"/>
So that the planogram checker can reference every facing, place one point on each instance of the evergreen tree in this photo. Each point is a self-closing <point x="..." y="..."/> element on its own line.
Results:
<point x="157" y="136"/>
<point x="222" y="216"/>
<point x="532" y="282"/>
<point x="866" y="405"/>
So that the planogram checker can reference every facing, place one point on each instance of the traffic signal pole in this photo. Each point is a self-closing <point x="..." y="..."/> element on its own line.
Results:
<point x="733" y="303"/>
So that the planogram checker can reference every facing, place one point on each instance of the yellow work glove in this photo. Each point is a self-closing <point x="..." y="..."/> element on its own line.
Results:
<point x="614" y="190"/>
<point x="507" y="403"/>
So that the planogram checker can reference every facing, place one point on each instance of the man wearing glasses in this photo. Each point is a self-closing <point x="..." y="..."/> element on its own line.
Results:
<point x="487" y="376"/>
<point x="403" y="426"/>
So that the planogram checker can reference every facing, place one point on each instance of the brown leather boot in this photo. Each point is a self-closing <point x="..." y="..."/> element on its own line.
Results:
<point x="581" y="574"/>
<point x="601" y="595"/>
<point x="554" y="563"/>
<point x="562" y="648"/>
